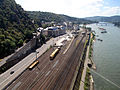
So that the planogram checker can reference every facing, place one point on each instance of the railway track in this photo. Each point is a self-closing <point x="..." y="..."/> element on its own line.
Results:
<point x="30" y="75"/>
<point x="62" y="82"/>
<point x="27" y="74"/>
<point x="41" y="82"/>
<point x="39" y="76"/>
<point x="55" y="74"/>
<point x="48" y="83"/>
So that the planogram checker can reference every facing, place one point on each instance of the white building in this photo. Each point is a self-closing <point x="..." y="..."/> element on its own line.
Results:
<point x="56" y="31"/>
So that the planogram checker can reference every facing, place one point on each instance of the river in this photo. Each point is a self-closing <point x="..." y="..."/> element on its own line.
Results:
<point x="106" y="56"/>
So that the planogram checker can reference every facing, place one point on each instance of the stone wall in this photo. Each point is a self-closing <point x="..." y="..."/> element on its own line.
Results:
<point x="23" y="51"/>
<point x="20" y="54"/>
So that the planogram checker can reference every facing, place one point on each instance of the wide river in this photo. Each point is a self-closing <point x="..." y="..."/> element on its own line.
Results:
<point x="106" y="56"/>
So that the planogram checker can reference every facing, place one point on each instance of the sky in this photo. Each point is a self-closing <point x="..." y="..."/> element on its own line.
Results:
<point x="75" y="8"/>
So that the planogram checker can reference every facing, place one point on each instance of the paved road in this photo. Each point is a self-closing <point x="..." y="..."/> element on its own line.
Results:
<point x="6" y="77"/>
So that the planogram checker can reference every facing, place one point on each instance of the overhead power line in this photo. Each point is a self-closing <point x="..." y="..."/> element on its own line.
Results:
<point x="105" y="78"/>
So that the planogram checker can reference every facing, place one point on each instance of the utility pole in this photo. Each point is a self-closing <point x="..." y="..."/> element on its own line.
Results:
<point x="36" y="40"/>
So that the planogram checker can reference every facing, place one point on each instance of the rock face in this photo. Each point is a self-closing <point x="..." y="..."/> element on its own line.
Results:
<point x="15" y="27"/>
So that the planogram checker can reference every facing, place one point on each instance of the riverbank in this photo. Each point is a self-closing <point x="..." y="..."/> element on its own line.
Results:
<point x="82" y="75"/>
<point x="84" y="82"/>
<point x="87" y="78"/>
<point x="91" y="62"/>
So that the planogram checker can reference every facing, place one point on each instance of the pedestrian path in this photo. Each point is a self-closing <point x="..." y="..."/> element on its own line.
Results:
<point x="84" y="70"/>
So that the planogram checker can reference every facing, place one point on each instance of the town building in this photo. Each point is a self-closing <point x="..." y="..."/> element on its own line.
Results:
<point x="55" y="31"/>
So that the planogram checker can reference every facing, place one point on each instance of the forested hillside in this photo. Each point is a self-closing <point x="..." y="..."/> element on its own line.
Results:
<point x="48" y="17"/>
<point x="15" y="27"/>
<point x="104" y="19"/>
<point x="44" y="16"/>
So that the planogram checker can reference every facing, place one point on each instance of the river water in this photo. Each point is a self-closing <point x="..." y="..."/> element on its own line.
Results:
<point x="106" y="55"/>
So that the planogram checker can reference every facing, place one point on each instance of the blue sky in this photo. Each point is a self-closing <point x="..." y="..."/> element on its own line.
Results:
<point x="75" y="8"/>
<point x="112" y="3"/>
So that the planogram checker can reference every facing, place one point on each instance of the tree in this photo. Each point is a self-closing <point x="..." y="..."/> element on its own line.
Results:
<point x="28" y="34"/>
<point x="42" y="39"/>
<point x="2" y="37"/>
<point x="15" y="27"/>
<point x="7" y="46"/>
<point x="20" y="43"/>
<point x="89" y="28"/>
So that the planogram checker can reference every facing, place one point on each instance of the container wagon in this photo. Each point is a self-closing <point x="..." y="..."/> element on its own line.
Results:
<point x="52" y="56"/>
<point x="33" y="65"/>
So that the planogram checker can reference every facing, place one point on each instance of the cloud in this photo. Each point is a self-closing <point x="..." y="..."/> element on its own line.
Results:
<point x="87" y="8"/>
<point x="76" y="8"/>
<point x="111" y="11"/>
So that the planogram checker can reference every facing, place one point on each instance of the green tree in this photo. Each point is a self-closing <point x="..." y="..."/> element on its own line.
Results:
<point x="28" y="34"/>
<point x="20" y="43"/>
<point x="42" y="39"/>
<point x="7" y="47"/>
<point x="2" y="37"/>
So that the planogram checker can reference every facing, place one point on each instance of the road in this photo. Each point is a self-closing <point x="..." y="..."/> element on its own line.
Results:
<point x="6" y="78"/>
<point x="52" y="75"/>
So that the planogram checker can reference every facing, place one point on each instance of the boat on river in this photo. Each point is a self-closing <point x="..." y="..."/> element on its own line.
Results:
<point x="101" y="28"/>
<point x="104" y="32"/>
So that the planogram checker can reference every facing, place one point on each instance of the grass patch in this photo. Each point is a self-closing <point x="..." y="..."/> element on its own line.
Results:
<point x="91" y="43"/>
<point x="87" y="80"/>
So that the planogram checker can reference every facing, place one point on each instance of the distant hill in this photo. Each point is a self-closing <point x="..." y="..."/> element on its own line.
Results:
<point x="104" y="19"/>
<point x="15" y="27"/>
<point x="48" y="17"/>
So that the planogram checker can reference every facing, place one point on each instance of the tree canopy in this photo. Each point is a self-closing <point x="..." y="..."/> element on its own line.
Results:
<point x="15" y="27"/>
<point x="49" y="17"/>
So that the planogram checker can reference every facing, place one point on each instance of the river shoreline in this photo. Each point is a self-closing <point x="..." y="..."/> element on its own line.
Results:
<point x="91" y="61"/>
<point x="106" y="57"/>
<point x="87" y="77"/>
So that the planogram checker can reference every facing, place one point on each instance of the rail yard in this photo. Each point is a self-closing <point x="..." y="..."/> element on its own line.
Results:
<point x="55" y="74"/>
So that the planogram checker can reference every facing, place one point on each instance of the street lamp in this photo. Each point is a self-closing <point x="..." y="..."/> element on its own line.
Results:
<point x="36" y="54"/>
<point x="36" y="39"/>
